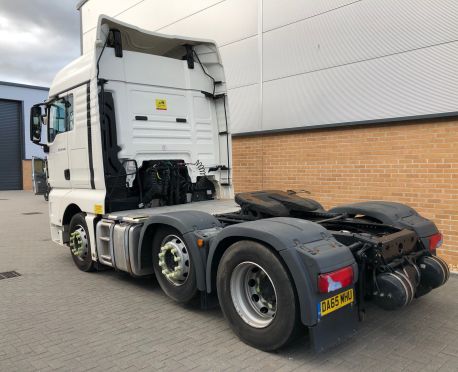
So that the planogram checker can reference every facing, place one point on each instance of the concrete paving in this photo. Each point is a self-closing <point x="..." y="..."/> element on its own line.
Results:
<point x="55" y="317"/>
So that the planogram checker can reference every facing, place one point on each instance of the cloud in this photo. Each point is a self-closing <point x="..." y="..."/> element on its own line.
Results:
<point x="37" y="38"/>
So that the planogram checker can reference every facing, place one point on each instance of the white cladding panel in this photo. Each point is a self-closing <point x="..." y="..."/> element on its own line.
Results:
<point x="401" y="85"/>
<point x="372" y="29"/>
<point x="150" y="14"/>
<point x="92" y="9"/>
<point x="299" y="63"/>
<point x="277" y="15"/>
<point x="241" y="62"/>
<point x="244" y="107"/>
<point x="226" y="22"/>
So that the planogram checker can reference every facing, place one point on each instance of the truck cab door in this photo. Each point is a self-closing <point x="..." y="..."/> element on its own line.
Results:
<point x="39" y="179"/>
<point x="60" y="116"/>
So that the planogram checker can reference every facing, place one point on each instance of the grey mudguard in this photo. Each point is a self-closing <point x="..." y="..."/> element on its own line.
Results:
<point x="393" y="214"/>
<point x="186" y="222"/>
<point x="306" y="248"/>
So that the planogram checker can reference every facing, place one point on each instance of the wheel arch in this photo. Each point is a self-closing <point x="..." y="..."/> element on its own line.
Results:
<point x="145" y="257"/>
<point x="69" y="212"/>
<point x="219" y="248"/>
<point x="285" y="237"/>
<point x="186" y="223"/>
<point x="390" y="213"/>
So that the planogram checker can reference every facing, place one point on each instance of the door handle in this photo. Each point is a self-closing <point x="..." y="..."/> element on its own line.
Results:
<point x="67" y="174"/>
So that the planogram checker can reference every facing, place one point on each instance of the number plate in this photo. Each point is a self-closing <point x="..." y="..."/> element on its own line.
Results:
<point x="334" y="303"/>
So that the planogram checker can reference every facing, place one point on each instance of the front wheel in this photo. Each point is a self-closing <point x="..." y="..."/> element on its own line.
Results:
<point x="257" y="296"/>
<point x="80" y="244"/>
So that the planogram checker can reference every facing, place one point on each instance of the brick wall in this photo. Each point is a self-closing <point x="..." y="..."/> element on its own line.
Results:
<point x="415" y="164"/>
<point x="27" y="175"/>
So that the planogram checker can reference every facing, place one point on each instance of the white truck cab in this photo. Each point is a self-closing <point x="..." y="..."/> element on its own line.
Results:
<point x="138" y="102"/>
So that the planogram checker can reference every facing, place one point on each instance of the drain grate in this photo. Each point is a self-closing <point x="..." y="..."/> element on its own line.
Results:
<point x="30" y="213"/>
<point x="9" y="274"/>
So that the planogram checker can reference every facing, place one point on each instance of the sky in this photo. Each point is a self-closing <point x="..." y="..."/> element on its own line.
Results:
<point x="37" y="39"/>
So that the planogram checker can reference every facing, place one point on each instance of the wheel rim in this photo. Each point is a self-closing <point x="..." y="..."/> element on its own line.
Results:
<point x="253" y="294"/>
<point x="174" y="260"/>
<point x="79" y="244"/>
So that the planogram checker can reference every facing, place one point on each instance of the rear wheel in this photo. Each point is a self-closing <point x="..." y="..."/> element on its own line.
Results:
<point x="79" y="243"/>
<point x="173" y="265"/>
<point x="257" y="296"/>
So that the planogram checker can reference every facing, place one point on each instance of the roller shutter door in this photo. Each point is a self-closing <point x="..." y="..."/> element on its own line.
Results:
<point x="10" y="145"/>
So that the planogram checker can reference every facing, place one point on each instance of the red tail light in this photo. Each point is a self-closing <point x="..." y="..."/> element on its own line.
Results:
<point x="335" y="280"/>
<point x="435" y="241"/>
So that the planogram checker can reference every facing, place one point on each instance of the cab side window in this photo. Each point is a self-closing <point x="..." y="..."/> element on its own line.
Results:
<point x="60" y="117"/>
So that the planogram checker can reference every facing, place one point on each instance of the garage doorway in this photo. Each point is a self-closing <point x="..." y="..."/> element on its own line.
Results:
<point x="10" y="145"/>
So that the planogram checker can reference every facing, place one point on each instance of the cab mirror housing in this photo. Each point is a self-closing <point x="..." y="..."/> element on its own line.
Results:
<point x="35" y="124"/>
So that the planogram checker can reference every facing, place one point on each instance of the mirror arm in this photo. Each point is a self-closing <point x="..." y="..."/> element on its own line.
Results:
<point x="43" y="145"/>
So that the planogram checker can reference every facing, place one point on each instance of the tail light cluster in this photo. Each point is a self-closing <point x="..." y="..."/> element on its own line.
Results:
<point x="435" y="241"/>
<point x="335" y="280"/>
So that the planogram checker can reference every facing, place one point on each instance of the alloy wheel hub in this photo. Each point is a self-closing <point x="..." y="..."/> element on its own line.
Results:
<point x="174" y="260"/>
<point x="253" y="294"/>
<point x="79" y="243"/>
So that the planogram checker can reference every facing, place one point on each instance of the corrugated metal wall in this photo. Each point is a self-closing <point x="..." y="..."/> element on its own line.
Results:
<point x="29" y="95"/>
<point x="10" y="145"/>
<point x="299" y="63"/>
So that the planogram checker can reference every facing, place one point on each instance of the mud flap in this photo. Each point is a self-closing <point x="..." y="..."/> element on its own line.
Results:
<point x="334" y="328"/>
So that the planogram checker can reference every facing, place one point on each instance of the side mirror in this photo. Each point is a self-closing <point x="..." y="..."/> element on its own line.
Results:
<point x="35" y="124"/>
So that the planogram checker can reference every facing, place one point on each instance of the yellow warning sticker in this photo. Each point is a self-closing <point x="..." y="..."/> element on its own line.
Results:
<point x="161" y="104"/>
<point x="98" y="209"/>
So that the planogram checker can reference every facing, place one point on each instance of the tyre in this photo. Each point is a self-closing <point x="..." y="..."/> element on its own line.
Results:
<point x="80" y="244"/>
<point x="173" y="265"/>
<point x="257" y="296"/>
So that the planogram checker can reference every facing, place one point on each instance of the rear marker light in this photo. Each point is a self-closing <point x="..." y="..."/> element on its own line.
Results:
<point x="335" y="280"/>
<point x="435" y="241"/>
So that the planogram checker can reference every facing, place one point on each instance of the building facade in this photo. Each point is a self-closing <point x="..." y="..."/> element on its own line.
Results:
<point x="16" y="150"/>
<point x="349" y="100"/>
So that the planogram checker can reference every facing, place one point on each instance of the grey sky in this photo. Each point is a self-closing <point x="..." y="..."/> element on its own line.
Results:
<point x="37" y="38"/>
